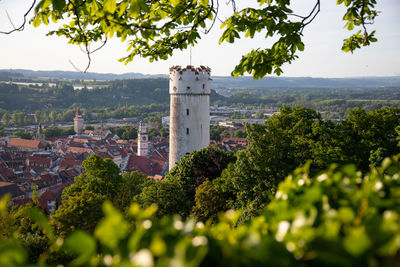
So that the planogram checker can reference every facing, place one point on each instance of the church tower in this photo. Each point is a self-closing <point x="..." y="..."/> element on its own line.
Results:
<point x="78" y="122"/>
<point x="40" y="135"/>
<point x="143" y="140"/>
<point x="189" y="130"/>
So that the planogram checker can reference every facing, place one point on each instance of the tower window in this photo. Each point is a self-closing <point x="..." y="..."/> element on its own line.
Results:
<point x="187" y="131"/>
<point x="188" y="88"/>
<point x="187" y="112"/>
<point x="204" y="86"/>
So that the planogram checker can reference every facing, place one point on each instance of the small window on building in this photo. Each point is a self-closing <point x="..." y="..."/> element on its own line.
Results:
<point x="187" y="131"/>
<point x="188" y="88"/>
<point x="204" y="86"/>
<point x="187" y="112"/>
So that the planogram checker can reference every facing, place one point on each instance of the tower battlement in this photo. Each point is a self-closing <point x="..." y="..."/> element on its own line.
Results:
<point x="189" y="80"/>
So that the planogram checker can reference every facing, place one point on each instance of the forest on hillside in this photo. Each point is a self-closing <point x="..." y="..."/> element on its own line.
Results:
<point x="22" y="104"/>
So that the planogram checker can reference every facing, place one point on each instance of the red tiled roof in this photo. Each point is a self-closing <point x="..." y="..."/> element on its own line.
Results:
<point x="144" y="165"/>
<point x="69" y="162"/>
<point x="37" y="161"/>
<point x="19" y="142"/>
<point x="47" y="178"/>
<point x="80" y="140"/>
<point x="7" y="173"/>
<point x="75" y="149"/>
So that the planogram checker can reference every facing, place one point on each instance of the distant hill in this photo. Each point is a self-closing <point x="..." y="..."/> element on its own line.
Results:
<point x="74" y="75"/>
<point x="218" y="81"/>
<point x="296" y="82"/>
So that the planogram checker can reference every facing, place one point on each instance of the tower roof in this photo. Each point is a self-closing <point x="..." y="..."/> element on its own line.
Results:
<point x="78" y="112"/>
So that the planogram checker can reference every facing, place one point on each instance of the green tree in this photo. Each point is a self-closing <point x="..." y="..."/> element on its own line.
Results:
<point x="53" y="116"/>
<point x="6" y="118"/>
<point x="195" y="168"/>
<point x="23" y="134"/>
<point x="17" y="118"/>
<point x="210" y="201"/>
<point x="368" y="132"/>
<point x="82" y="210"/>
<point x="132" y="185"/>
<point x="156" y="29"/>
<point x="89" y="127"/>
<point x="339" y="217"/>
<point x="100" y="181"/>
<point x="169" y="197"/>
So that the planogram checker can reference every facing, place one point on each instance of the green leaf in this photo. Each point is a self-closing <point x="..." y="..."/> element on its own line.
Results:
<point x="12" y="253"/>
<point x="58" y="5"/>
<point x="110" y="6"/>
<point x="175" y="2"/>
<point x="38" y="217"/>
<point x="357" y="242"/>
<point x="80" y="243"/>
<point x="112" y="228"/>
<point x="204" y="3"/>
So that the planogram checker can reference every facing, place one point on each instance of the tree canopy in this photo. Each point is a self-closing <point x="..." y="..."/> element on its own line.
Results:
<point x="155" y="29"/>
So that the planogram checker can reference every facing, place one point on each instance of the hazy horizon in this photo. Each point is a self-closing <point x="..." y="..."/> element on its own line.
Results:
<point x="323" y="58"/>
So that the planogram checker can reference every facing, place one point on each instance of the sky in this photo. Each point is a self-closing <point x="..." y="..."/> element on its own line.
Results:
<point x="322" y="57"/>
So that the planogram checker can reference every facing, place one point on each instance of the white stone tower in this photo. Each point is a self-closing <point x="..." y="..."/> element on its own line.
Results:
<point x="143" y="140"/>
<point x="78" y="122"/>
<point x="189" y="129"/>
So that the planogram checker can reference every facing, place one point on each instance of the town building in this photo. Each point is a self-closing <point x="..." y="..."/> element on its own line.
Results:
<point x="78" y="122"/>
<point x="19" y="144"/>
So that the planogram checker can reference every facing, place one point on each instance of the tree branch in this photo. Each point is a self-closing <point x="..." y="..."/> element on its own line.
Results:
<point x="20" y="28"/>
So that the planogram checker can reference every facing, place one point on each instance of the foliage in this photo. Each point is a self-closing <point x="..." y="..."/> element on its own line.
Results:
<point x="81" y="204"/>
<point x="132" y="185"/>
<point x="155" y="29"/>
<point x="125" y="132"/>
<point x="298" y="135"/>
<point x="17" y="223"/>
<point x="79" y="211"/>
<point x="23" y="134"/>
<point x="176" y="193"/>
<point x="58" y="131"/>
<point x="195" y="168"/>
<point x="210" y="201"/>
<point x="169" y="197"/>
<point x="337" y="218"/>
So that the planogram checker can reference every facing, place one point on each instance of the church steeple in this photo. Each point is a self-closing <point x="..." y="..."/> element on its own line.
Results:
<point x="143" y="142"/>
<point x="40" y="135"/>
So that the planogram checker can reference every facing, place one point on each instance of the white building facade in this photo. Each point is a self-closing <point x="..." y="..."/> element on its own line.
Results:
<point x="143" y="140"/>
<point x="189" y="130"/>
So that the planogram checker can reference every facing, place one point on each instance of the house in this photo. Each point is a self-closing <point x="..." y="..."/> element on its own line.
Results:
<point x="12" y="189"/>
<point x="51" y="197"/>
<point x="38" y="162"/>
<point x="143" y="165"/>
<point x="25" y="145"/>
<point x="75" y="149"/>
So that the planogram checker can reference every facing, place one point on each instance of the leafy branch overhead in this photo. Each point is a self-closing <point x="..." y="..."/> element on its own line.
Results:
<point x="155" y="29"/>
